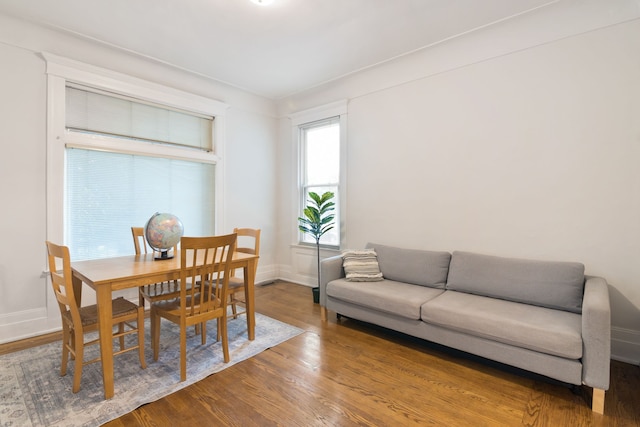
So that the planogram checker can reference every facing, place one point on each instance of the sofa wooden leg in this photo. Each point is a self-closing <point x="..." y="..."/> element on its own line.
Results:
<point x="323" y="313"/>
<point x="597" y="402"/>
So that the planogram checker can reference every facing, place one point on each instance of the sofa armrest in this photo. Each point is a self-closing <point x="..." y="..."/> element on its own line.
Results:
<point x="596" y="333"/>
<point x="330" y="269"/>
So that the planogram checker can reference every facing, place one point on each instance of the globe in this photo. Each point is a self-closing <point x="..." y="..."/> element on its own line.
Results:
<point x="163" y="231"/>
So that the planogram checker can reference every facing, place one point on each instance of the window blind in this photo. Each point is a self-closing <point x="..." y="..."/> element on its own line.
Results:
<point x="95" y="111"/>
<point x="108" y="193"/>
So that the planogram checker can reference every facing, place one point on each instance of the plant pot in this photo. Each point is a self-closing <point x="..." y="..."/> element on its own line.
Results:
<point x="316" y="295"/>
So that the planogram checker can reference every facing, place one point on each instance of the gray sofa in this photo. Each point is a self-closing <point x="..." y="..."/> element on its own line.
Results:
<point x="542" y="316"/>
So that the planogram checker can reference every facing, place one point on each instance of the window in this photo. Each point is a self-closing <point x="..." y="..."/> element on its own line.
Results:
<point x="320" y="148"/>
<point x="108" y="192"/>
<point x="121" y="149"/>
<point x="320" y="135"/>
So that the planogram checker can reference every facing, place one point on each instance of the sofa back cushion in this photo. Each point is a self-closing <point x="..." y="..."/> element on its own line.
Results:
<point x="552" y="284"/>
<point x="418" y="267"/>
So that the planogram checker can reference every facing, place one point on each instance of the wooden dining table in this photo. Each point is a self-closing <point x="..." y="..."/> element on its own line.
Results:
<point x="111" y="274"/>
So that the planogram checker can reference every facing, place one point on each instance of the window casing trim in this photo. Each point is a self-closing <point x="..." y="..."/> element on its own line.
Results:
<point x="62" y="70"/>
<point x="118" y="83"/>
<point x="306" y="118"/>
<point x="338" y="108"/>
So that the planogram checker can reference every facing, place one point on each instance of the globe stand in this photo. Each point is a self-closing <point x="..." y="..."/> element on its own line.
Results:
<point x="163" y="255"/>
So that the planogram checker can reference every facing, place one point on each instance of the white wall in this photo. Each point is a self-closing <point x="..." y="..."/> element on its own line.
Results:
<point x="522" y="140"/>
<point x="251" y="191"/>
<point x="22" y="185"/>
<point x="250" y="163"/>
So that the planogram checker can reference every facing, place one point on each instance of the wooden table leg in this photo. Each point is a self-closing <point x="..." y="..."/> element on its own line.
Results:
<point x="103" y="297"/>
<point x="249" y="283"/>
<point x="77" y="290"/>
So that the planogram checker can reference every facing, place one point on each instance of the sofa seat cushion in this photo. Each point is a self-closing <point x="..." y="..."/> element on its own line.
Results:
<point x="401" y="299"/>
<point x="541" y="329"/>
<point x="550" y="284"/>
<point x="415" y="266"/>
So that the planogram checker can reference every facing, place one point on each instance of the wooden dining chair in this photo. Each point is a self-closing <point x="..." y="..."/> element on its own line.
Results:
<point x="77" y="321"/>
<point x="248" y="242"/>
<point x="205" y="263"/>
<point x="156" y="291"/>
<point x="139" y="241"/>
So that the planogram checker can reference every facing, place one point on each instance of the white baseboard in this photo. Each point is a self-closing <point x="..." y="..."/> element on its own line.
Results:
<point x="267" y="274"/>
<point x="28" y="323"/>
<point x="285" y="273"/>
<point x="625" y="345"/>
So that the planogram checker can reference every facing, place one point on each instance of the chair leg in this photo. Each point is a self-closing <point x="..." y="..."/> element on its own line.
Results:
<point x="155" y="333"/>
<point x="121" y="332"/>
<point x="222" y="321"/>
<point x="233" y="301"/>
<point x="183" y="352"/>
<point x="79" y="351"/>
<point x="203" y="335"/>
<point x="234" y="309"/>
<point x="66" y="341"/>
<point x="140" y="325"/>
<point x="73" y="343"/>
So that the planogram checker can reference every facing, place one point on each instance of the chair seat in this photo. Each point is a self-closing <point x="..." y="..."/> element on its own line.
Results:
<point x="173" y="305"/>
<point x="120" y="307"/>
<point x="235" y="283"/>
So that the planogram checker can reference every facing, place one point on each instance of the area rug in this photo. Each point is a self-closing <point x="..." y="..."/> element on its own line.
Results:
<point x="32" y="392"/>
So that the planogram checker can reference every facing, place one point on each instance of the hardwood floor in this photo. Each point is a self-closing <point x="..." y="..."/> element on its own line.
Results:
<point x="348" y="373"/>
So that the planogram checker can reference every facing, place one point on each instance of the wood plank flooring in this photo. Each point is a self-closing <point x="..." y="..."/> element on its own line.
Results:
<point x="348" y="373"/>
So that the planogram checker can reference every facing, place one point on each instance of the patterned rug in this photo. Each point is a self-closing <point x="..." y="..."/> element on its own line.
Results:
<point x="32" y="392"/>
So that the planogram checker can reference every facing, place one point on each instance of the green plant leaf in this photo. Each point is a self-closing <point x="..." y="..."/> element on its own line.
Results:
<point x="316" y="220"/>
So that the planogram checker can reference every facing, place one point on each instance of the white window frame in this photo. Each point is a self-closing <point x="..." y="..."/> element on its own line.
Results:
<point x="298" y="121"/>
<point x="62" y="70"/>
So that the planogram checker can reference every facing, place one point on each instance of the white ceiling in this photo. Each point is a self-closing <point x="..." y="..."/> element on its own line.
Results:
<point x="275" y="50"/>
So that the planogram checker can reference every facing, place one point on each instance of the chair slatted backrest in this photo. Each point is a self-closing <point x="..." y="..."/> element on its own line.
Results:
<point x="61" y="280"/>
<point x="246" y="236"/>
<point x="205" y="263"/>
<point x="138" y="236"/>
<point x="140" y="241"/>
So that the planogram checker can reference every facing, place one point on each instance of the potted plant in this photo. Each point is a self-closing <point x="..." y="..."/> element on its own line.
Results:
<point x="317" y="221"/>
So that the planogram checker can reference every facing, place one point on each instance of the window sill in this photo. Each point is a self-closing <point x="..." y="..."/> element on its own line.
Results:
<point x="323" y="248"/>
